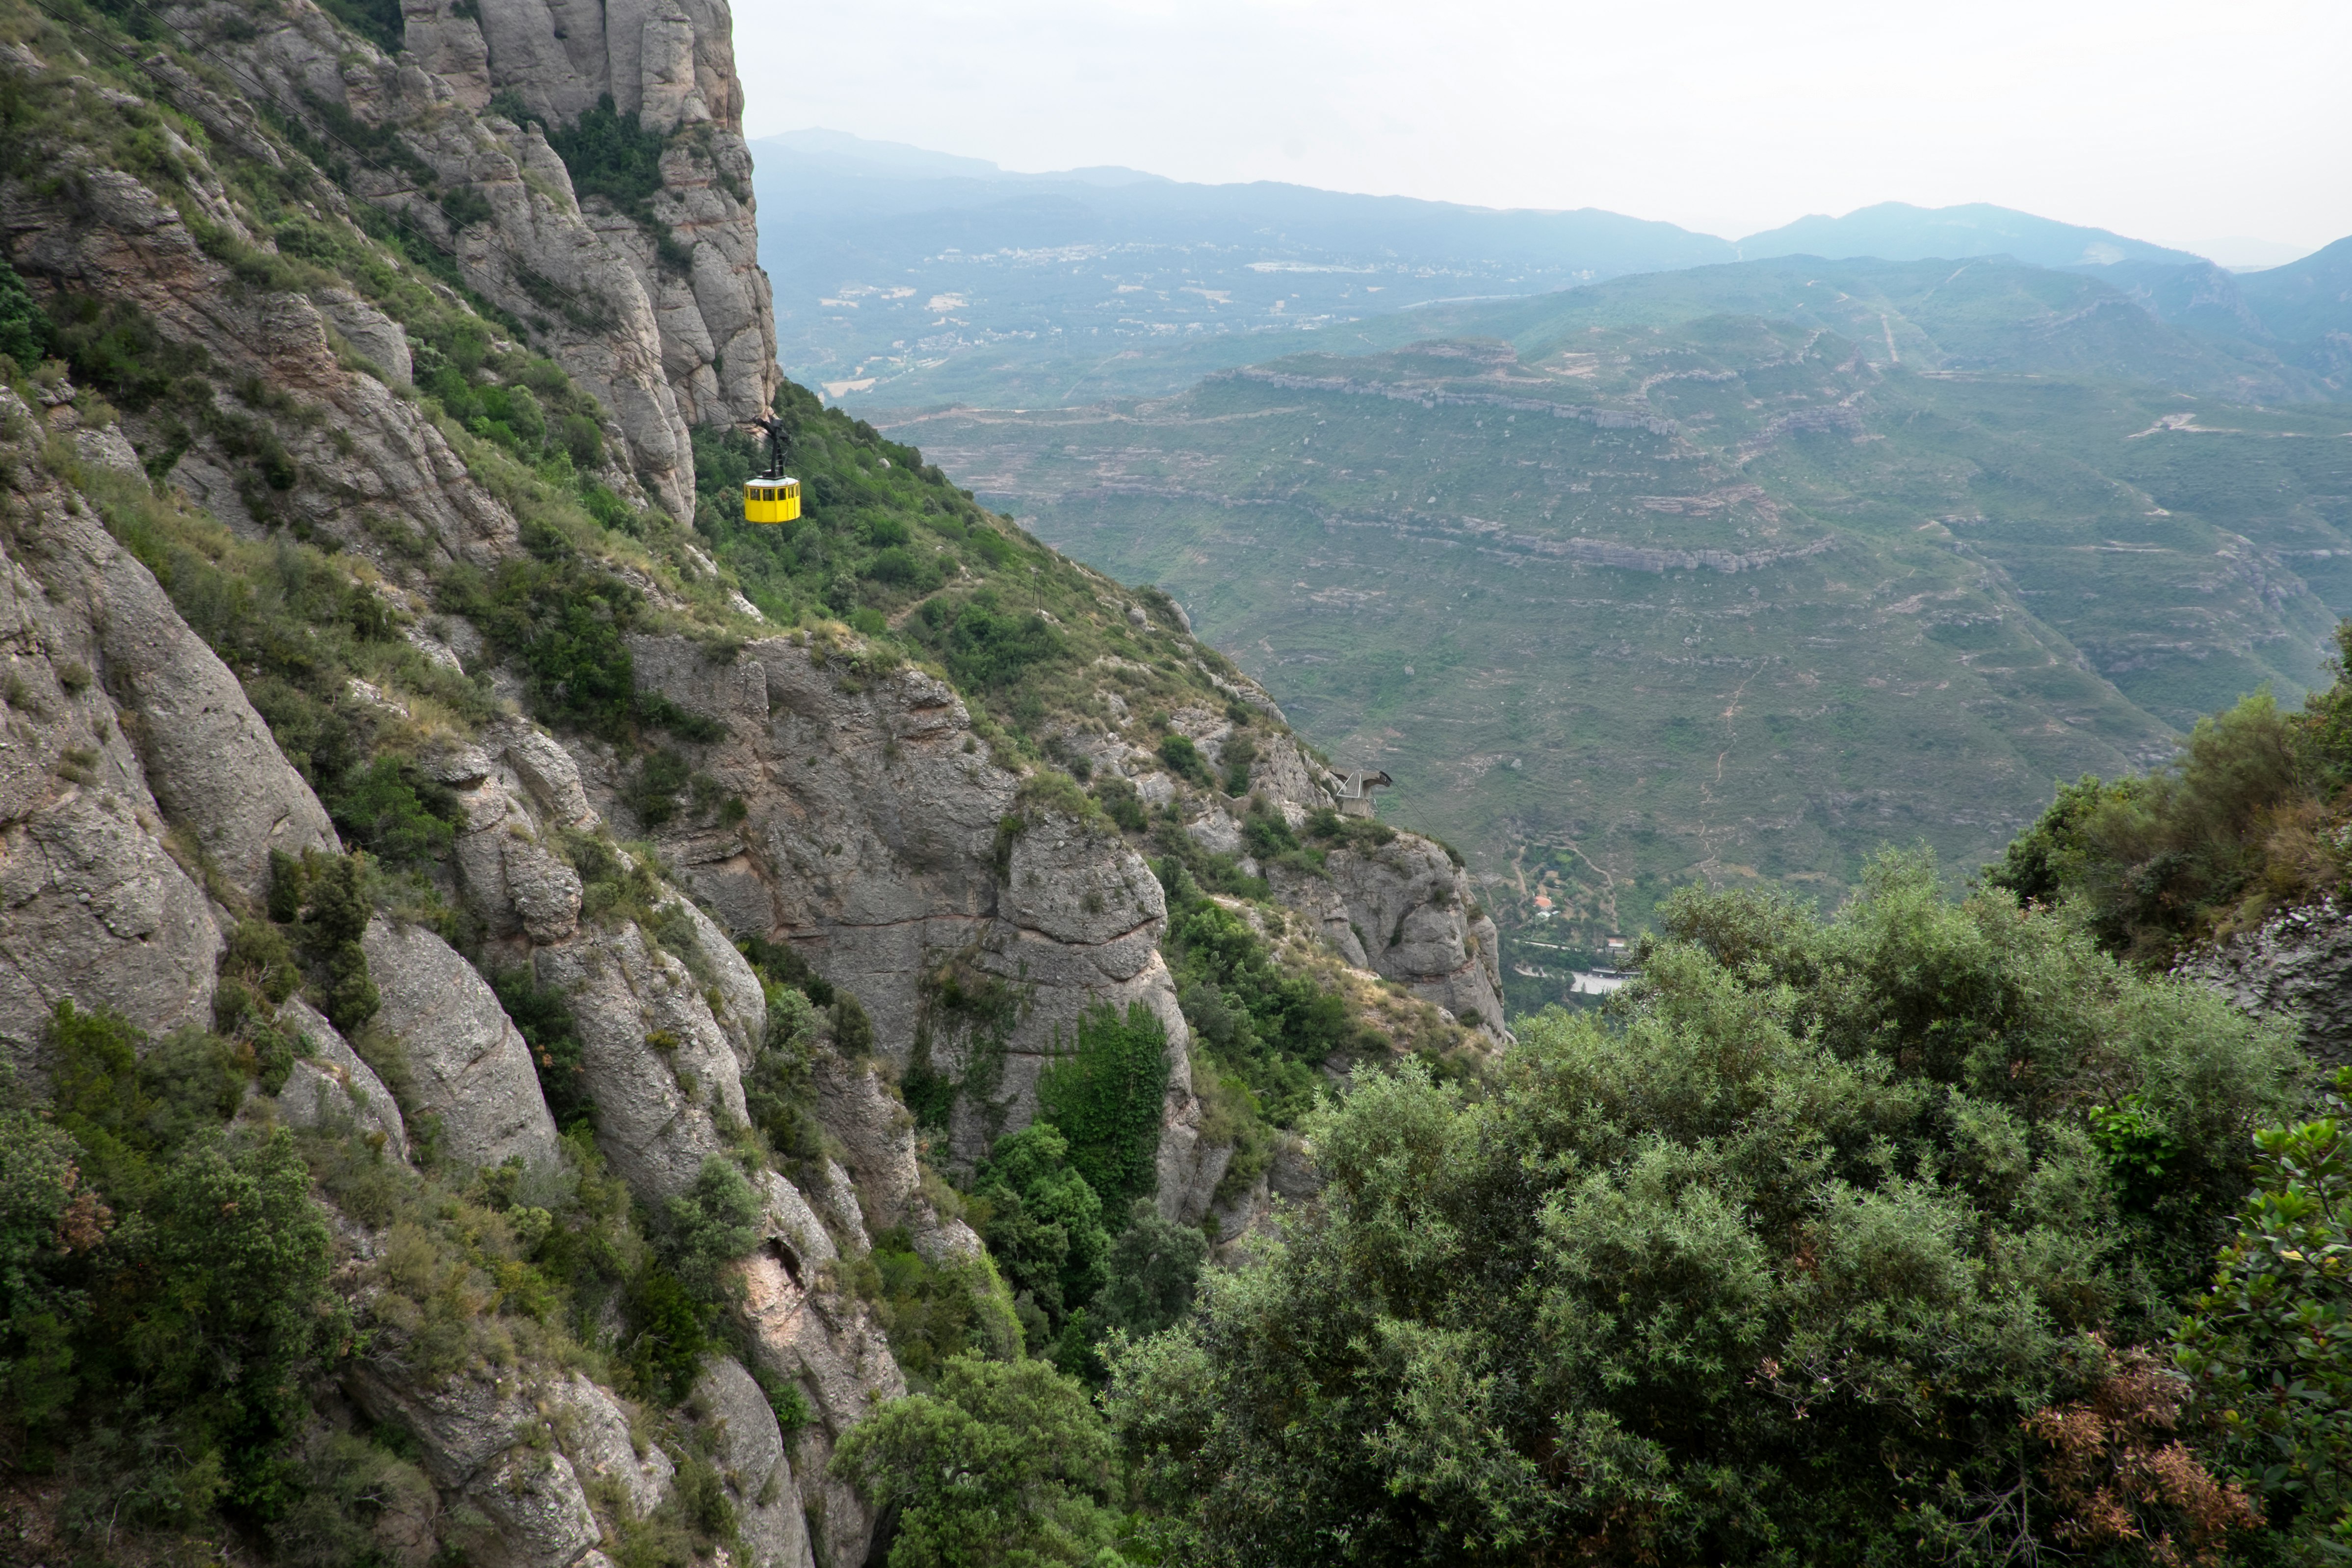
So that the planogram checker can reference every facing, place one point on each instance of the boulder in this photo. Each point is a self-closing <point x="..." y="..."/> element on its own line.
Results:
<point x="330" y="1086"/>
<point x="747" y="1451"/>
<point x="660" y="1069"/>
<point x="469" y="1068"/>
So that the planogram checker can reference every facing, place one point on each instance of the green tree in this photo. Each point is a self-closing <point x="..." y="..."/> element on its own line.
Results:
<point x="2270" y="1345"/>
<point x="1043" y="1221"/>
<point x="1006" y="1463"/>
<point x="23" y="329"/>
<point x="1772" y="1266"/>
<point x="1107" y="1099"/>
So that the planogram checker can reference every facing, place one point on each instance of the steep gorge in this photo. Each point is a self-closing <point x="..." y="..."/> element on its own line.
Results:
<point x="404" y="741"/>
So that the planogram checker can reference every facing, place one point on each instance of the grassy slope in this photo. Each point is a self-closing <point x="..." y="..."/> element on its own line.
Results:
<point x="2021" y="585"/>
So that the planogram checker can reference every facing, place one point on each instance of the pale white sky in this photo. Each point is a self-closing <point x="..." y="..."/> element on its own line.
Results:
<point x="2172" y="120"/>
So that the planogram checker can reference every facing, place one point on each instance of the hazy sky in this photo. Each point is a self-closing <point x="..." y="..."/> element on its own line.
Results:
<point x="2172" y="120"/>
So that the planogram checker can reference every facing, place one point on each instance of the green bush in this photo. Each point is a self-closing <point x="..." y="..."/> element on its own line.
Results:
<point x="163" y="1286"/>
<point x="395" y="814"/>
<point x="1107" y="1099"/>
<point x="1273" y="1026"/>
<point x="324" y="898"/>
<point x="542" y="1014"/>
<point x="933" y="1312"/>
<point x="2269" y="1344"/>
<point x="24" y="328"/>
<point x="1773" y="1265"/>
<point x="1184" y="760"/>
<point x="1004" y="1462"/>
<point x="1043" y="1222"/>
<point x="610" y="154"/>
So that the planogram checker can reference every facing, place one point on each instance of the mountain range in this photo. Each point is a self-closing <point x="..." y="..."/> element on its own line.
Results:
<point x="905" y="277"/>
<point x="1736" y="572"/>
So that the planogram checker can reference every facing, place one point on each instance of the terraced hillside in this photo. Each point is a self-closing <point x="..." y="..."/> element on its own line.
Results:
<point x="1630" y="587"/>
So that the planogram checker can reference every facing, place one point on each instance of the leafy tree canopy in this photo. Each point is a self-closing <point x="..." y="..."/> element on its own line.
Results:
<point x="1774" y="1267"/>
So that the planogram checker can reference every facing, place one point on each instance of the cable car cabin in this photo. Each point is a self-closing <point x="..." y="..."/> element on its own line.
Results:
<point x="772" y="500"/>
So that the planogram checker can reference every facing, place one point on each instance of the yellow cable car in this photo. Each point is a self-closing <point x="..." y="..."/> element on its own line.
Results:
<point x="774" y="496"/>
<point x="772" y="500"/>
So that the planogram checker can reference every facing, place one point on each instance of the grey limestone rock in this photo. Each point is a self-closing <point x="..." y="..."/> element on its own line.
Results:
<point x="872" y="847"/>
<point x="808" y="1332"/>
<point x="467" y="1065"/>
<point x="2296" y="965"/>
<point x="661" y="1070"/>
<point x="878" y="1137"/>
<point x="499" y="1444"/>
<point x="510" y="877"/>
<point x="209" y="758"/>
<point x="374" y="336"/>
<point x="94" y="907"/>
<point x="363" y="454"/>
<point x="1216" y="831"/>
<point x="330" y="1084"/>
<point x="1404" y="909"/>
<point x="750" y="1456"/>
<point x="594" y="1432"/>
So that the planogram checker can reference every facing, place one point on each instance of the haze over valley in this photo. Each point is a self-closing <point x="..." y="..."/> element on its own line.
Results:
<point x="1669" y="557"/>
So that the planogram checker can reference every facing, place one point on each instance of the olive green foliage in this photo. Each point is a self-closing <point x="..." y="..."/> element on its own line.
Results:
<point x="567" y="621"/>
<point x="711" y="1224"/>
<point x="934" y="1312"/>
<point x="543" y="1016"/>
<point x="610" y="154"/>
<point x="163" y="1284"/>
<point x="1185" y="761"/>
<point x="1271" y="1026"/>
<point x="1105" y="1100"/>
<point x="2269" y="1344"/>
<point x="325" y="900"/>
<point x="1043" y="1223"/>
<point x="378" y="21"/>
<point x="1005" y="1462"/>
<point x="2230" y="828"/>
<point x="780" y="1091"/>
<point x="1328" y="826"/>
<point x="24" y="328"/>
<point x="1152" y="1272"/>
<point x="298" y="626"/>
<point x="1770" y="1265"/>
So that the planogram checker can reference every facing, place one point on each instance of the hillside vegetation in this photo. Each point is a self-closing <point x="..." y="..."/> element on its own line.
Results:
<point x="1739" y="573"/>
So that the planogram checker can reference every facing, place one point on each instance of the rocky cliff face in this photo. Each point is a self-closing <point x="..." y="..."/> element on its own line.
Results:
<point x="661" y="312"/>
<point x="672" y="67"/>
<point x="2296" y="966"/>
<point x="390" y="396"/>
<point x="876" y="842"/>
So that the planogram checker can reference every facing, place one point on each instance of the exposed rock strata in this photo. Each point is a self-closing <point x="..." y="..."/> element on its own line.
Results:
<point x="360" y="450"/>
<point x="871" y="845"/>
<point x="750" y="1456"/>
<point x="2296" y="965"/>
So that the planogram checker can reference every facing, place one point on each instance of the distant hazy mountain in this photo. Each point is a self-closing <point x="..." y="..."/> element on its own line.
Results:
<point x="1897" y="231"/>
<point x="2306" y="301"/>
<point x="907" y="276"/>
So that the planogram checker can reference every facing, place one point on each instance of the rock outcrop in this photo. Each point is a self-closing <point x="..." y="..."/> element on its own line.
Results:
<point x="468" y="1068"/>
<point x="877" y="841"/>
<point x="749" y="1453"/>
<point x="521" y="1455"/>
<point x="2295" y="965"/>
<point x="671" y="66"/>
<point x="95" y="906"/>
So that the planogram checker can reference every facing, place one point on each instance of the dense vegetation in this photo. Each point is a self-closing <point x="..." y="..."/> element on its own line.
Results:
<point x="2247" y="819"/>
